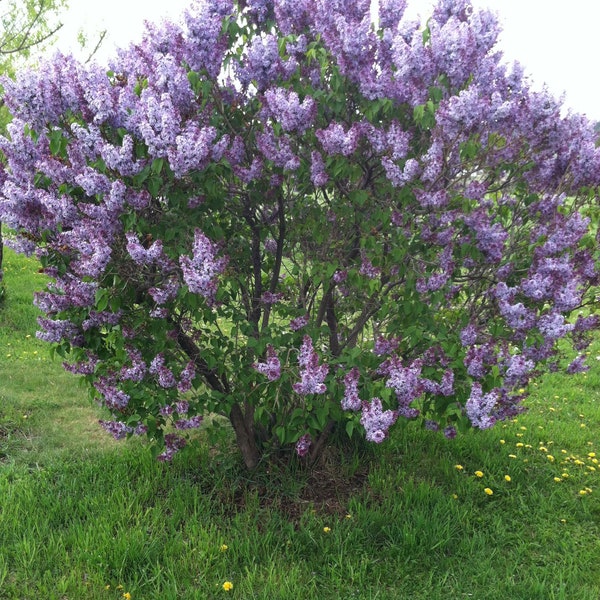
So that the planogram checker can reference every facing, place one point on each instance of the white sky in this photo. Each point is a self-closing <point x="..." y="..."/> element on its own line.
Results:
<point x="556" y="41"/>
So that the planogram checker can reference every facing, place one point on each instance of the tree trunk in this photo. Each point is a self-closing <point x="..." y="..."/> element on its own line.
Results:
<point x="243" y="425"/>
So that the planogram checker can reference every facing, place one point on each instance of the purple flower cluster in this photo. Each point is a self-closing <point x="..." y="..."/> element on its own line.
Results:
<point x="299" y="322"/>
<point x="312" y="375"/>
<point x="406" y="383"/>
<point x="376" y="421"/>
<point x="480" y="406"/>
<point x="285" y="107"/>
<point x="271" y="368"/>
<point x="114" y="398"/>
<point x="336" y="140"/>
<point x="303" y="445"/>
<point x="164" y="375"/>
<point x="200" y="271"/>
<point x="173" y="444"/>
<point x="351" y="400"/>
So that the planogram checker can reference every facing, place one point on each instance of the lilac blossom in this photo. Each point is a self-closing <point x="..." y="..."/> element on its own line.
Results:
<point x="164" y="375"/>
<point x="351" y="400"/>
<point x="303" y="445"/>
<point x="114" y="398"/>
<point x="173" y="443"/>
<point x="117" y="429"/>
<point x="285" y="107"/>
<point x="336" y="140"/>
<point x="138" y="369"/>
<point x="299" y="322"/>
<point x="191" y="423"/>
<point x="553" y="326"/>
<point x="517" y="371"/>
<point x="577" y="365"/>
<point x="200" y="271"/>
<point x="186" y="378"/>
<point x="480" y="406"/>
<point x="384" y="346"/>
<point x="271" y="368"/>
<point x="367" y="269"/>
<point x="376" y="421"/>
<point x="312" y="374"/>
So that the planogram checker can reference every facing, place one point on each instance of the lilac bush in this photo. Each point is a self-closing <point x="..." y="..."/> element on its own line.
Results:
<point x="311" y="224"/>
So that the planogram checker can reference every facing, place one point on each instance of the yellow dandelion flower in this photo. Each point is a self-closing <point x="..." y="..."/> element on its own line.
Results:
<point x="507" y="478"/>
<point x="582" y="425"/>
<point x="119" y="587"/>
<point x="565" y="475"/>
<point x="327" y="529"/>
<point x="127" y="596"/>
<point x="522" y="428"/>
<point x="107" y="587"/>
<point x="455" y="496"/>
<point x="520" y="445"/>
<point x="543" y="449"/>
<point x="582" y="492"/>
<point x="557" y="479"/>
<point x="512" y="456"/>
<point x="223" y="547"/>
<point x="552" y="409"/>
<point x="478" y="473"/>
<point x="458" y="467"/>
<point x="488" y="491"/>
<point x="503" y="441"/>
<point x="579" y="462"/>
<point x="595" y="461"/>
<point x="348" y="516"/>
<point x="550" y="457"/>
<point x="592" y="454"/>
<point x="228" y="586"/>
<point x="588" y="490"/>
<point x="519" y="435"/>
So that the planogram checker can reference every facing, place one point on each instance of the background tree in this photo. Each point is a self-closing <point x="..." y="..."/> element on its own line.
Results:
<point x="307" y="224"/>
<point x="25" y="26"/>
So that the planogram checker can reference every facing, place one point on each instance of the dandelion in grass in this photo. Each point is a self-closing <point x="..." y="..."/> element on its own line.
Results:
<point x="478" y="473"/>
<point x="512" y="456"/>
<point x="228" y="586"/>
<point x="458" y="467"/>
<point x="224" y="547"/>
<point x="326" y="529"/>
<point x="592" y="454"/>
<point x="348" y="516"/>
<point x="557" y="479"/>
<point x="127" y="596"/>
<point x="503" y="441"/>
<point x="507" y="478"/>
<point x="582" y="492"/>
<point x="489" y="491"/>
<point x="520" y="445"/>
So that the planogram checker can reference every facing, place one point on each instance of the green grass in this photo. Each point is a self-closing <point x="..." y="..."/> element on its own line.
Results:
<point x="82" y="516"/>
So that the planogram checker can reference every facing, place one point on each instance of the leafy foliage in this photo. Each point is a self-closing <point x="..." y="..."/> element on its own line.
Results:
<point x="283" y="214"/>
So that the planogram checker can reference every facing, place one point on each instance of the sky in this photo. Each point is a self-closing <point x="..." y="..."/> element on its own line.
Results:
<point x="556" y="41"/>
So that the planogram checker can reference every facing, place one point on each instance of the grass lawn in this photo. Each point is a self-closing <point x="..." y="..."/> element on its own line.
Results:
<point x="512" y="512"/>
